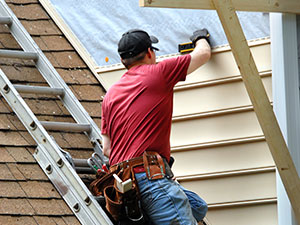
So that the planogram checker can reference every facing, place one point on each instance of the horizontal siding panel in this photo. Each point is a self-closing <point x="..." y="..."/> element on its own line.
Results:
<point x="216" y="128"/>
<point x="222" y="65"/>
<point x="222" y="159"/>
<point x="215" y="97"/>
<point x="265" y="214"/>
<point x="237" y="188"/>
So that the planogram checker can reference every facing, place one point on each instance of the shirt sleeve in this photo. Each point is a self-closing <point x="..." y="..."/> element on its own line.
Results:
<point x="175" y="69"/>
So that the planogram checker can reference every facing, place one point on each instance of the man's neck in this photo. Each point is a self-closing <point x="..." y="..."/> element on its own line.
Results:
<point x="142" y="62"/>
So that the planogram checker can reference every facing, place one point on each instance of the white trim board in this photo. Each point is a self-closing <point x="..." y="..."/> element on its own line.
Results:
<point x="286" y="97"/>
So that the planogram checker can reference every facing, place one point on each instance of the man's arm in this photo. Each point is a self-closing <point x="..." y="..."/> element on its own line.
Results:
<point x="202" y="51"/>
<point x="200" y="55"/>
<point x="106" y="145"/>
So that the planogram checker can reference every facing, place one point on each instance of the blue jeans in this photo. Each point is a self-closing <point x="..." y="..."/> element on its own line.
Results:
<point x="167" y="202"/>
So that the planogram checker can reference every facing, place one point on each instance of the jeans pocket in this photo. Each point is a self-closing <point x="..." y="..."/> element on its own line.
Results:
<point x="198" y="205"/>
<point x="168" y="204"/>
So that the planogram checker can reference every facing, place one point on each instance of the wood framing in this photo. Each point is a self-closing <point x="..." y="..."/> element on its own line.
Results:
<point x="285" y="6"/>
<point x="260" y="101"/>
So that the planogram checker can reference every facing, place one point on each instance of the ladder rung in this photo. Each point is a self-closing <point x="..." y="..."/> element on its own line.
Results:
<point x="63" y="126"/>
<point x="39" y="90"/>
<point x="18" y="54"/>
<point x="82" y="166"/>
<point x="5" y="20"/>
<point x="81" y="163"/>
<point x="84" y="170"/>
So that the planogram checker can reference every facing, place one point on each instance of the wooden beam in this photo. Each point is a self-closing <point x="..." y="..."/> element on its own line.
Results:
<point x="260" y="101"/>
<point x="284" y="6"/>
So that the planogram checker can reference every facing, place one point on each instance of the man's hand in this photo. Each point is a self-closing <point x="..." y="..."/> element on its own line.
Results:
<point x="199" y="34"/>
<point x="202" y="52"/>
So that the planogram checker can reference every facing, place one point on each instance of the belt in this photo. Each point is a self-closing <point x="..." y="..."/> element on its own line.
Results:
<point x="139" y="169"/>
<point x="154" y="164"/>
<point x="136" y="163"/>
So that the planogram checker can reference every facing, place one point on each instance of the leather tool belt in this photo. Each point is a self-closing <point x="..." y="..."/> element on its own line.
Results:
<point x="155" y="166"/>
<point x="124" y="206"/>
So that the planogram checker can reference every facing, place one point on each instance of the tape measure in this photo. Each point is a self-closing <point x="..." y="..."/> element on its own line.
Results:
<point x="186" y="47"/>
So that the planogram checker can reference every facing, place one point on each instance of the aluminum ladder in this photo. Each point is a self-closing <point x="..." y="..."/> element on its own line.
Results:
<point x="48" y="154"/>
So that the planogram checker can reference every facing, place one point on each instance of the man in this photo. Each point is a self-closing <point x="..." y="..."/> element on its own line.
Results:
<point x="136" y="117"/>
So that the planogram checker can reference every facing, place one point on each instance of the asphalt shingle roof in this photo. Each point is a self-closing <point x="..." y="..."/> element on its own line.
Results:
<point x="26" y="194"/>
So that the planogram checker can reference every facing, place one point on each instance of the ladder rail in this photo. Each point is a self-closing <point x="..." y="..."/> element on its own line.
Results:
<point x="51" y="76"/>
<point x="53" y="162"/>
<point x="48" y="154"/>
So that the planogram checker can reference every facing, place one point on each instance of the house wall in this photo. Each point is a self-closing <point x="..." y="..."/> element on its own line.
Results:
<point x="219" y="148"/>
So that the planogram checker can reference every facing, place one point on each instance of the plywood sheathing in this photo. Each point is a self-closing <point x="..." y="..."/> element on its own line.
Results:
<point x="27" y="196"/>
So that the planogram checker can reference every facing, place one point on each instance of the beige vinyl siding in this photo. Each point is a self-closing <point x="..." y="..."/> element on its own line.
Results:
<point x="213" y="96"/>
<point x="251" y="154"/>
<point x="237" y="187"/>
<point x="216" y="140"/>
<point x="262" y="214"/>
<point x="222" y="64"/>
<point x="215" y="128"/>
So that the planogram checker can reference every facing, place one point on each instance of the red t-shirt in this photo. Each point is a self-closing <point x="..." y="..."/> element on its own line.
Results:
<point x="137" y="110"/>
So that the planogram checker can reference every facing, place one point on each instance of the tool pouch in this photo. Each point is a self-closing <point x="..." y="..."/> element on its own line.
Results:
<point x="169" y="173"/>
<point x="102" y="180"/>
<point x="133" y="208"/>
<point x="124" y="206"/>
<point x="113" y="203"/>
<point x="154" y="165"/>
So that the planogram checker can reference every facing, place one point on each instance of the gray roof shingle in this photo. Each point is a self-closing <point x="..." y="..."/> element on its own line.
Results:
<point x="26" y="194"/>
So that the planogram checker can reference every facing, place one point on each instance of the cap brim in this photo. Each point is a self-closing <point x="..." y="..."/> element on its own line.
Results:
<point x="153" y="39"/>
<point x="156" y="49"/>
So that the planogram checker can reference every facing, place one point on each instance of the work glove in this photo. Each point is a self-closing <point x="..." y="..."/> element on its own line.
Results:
<point x="198" y="34"/>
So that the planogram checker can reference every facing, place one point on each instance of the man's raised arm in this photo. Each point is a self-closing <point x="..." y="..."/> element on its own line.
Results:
<point x="202" y="51"/>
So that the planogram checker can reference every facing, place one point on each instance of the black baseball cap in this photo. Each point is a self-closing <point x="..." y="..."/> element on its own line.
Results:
<point x="134" y="42"/>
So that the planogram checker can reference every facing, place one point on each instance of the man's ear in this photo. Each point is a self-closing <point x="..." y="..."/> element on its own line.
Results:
<point x="122" y="61"/>
<point x="149" y="53"/>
